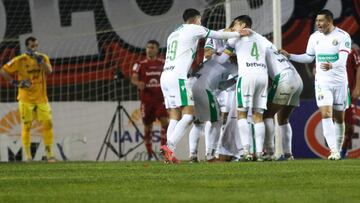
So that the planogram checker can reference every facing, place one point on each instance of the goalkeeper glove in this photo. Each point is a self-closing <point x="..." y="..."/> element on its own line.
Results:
<point x="21" y="83"/>
<point x="39" y="59"/>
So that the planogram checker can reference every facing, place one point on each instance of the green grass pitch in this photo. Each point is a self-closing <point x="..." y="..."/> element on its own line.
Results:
<point x="294" y="181"/>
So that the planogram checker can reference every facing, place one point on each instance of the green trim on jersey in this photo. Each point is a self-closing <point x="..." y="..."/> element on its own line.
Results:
<point x="239" y="97"/>
<point x="183" y="93"/>
<point x="327" y="57"/>
<point x="273" y="89"/>
<point x="207" y="34"/>
<point x="212" y="105"/>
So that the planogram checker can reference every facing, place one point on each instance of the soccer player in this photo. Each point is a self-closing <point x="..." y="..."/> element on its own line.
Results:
<point x="353" y="74"/>
<point x="251" y="85"/>
<point x="146" y="76"/>
<point x="31" y="68"/>
<point x="181" y="51"/>
<point x="283" y="97"/>
<point x="330" y="46"/>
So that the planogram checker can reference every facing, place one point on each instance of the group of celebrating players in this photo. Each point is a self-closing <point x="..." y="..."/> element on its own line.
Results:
<point x="228" y="94"/>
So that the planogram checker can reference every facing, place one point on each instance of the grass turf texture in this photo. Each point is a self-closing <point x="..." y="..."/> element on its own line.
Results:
<point x="295" y="181"/>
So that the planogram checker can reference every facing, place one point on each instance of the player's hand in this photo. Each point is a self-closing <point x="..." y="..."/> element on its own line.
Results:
<point x="245" y="32"/>
<point x="326" y="66"/>
<point x="285" y="53"/>
<point x="21" y="83"/>
<point x="356" y="93"/>
<point x="141" y="85"/>
<point x="208" y="53"/>
<point x="39" y="59"/>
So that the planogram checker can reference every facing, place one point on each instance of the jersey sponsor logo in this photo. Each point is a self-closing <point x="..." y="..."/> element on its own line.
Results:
<point x="327" y="57"/>
<point x="254" y="64"/>
<point x="152" y="73"/>
<point x="315" y="139"/>
<point x="335" y="42"/>
<point x="170" y="68"/>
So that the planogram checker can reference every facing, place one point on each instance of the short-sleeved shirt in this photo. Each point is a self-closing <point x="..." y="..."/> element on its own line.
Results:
<point x="181" y="49"/>
<point x="352" y="65"/>
<point x="326" y="49"/>
<point x="27" y="68"/>
<point x="250" y="52"/>
<point x="149" y="72"/>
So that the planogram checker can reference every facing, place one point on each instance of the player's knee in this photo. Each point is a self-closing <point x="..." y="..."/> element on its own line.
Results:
<point x="27" y="126"/>
<point x="47" y="124"/>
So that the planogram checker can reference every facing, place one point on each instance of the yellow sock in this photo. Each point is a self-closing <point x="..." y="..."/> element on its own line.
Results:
<point x="26" y="141"/>
<point x="48" y="138"/>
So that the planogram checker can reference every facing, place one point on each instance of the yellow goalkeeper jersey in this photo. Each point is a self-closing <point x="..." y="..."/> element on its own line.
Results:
<point x="27" y="68"/>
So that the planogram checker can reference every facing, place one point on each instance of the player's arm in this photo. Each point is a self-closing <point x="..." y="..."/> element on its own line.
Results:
<point x="44" y="63"/>
<point x="356" y="91"/>
<point x="209" y="48"/>
<point x="307" y="57"/>
<point x="344" y="51"/>
<point x="10" y="68"/>
<point x="135" y="79"/>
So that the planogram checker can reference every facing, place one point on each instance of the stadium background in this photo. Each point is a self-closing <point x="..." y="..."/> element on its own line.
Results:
<point x="87" y="40"/>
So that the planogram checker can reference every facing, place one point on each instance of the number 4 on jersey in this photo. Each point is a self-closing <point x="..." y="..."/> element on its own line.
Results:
<point x="255" y="51"/>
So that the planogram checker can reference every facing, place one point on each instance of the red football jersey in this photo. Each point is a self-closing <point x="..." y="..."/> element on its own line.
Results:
<point x="149" y="72"/>
<point x="352" y="63"/>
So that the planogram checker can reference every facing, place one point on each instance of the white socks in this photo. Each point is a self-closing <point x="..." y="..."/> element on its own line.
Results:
<point x="213" y="138"/>
<point x="259" y="133"/>
<point x="339" y="134"/>
<point x="170" y="129"/>
<point x="245" y="133"/>
<point x="269" y="142"/>
<point x="179" y="130"/>
<point x="329" y="133"/>
<point x="286" y="135"/>
<point x="194" y="136"/>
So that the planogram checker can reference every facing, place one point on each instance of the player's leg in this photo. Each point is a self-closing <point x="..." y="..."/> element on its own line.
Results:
<point x="324" y="100"/>
<point x="163" y="116"/>
<point x="349" y="129"/>
<point x="44" y="116"/>
<point x="194" y="137"/>
<point x="26" y="116"/>
<point x="148" y="117"/>
<point x="341" y="96"/>
<point x="339" y="118"/>
<point x="269" y="141"/>
<point x="285" y="130"/>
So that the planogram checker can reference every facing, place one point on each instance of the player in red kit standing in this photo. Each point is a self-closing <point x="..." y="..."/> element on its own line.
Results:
<point x="352" y="67"/>
<point x="146" y="76"/>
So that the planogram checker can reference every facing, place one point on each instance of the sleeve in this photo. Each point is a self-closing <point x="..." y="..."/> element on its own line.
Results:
<point x="230" y="46"/>
<point x="302" y="58"/>
<point x="345" y="44"/>
<point x="267" y="43"/>
<point x="47" y="60"/>
<point x="310" y="49"/>
<point x="200" y="31"/>
<point x="11" y="66"/>
<point x="222" y="35"/>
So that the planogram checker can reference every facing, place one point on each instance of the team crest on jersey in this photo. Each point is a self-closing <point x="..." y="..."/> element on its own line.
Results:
<point x="335" y="42"/>
<point x="347" y="44"/>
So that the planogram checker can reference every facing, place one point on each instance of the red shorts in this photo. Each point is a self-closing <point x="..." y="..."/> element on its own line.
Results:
<point x="152" y="111"/>
<point x="350" y="114"/>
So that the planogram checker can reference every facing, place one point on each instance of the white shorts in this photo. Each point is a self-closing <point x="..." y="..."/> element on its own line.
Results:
<point x="251" y="91"/>
<point x="336" y="96"/>
<point x="286" y="88"/>
<point x="221" y="98"/>
<point x="177" y="92"/>
<point x="206" y="106"/>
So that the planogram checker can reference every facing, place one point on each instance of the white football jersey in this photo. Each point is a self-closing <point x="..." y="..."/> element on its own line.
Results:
<point x="326" y="48"/>
<point x="212" y="73"/>
<point x="250" y="52"/>
<point x="276" y="62"/>
<point x="218" y="45"/>
<point x="181" y="49"/>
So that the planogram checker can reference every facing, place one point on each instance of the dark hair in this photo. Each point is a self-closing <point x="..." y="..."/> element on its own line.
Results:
<point x="244" y="19"/>
<point x="29" y="39"/>
<point x="153" y="42"/>
<point x="328" y="14"/>
<point x="190" y="13"/>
